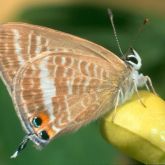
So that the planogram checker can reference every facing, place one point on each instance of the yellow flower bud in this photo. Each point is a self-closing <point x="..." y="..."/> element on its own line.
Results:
<point x="137" y="130"/>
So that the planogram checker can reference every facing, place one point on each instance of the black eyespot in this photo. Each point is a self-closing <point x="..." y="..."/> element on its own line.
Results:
<point x="132" y="59"/>
<point x="37" y="121"/>
<point x="43" y="134"/>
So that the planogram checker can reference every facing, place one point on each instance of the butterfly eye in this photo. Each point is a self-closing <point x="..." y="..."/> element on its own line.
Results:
<point x="44" y="135"/>
<point x="132" y="59"/>
<point x="37" y="121"/>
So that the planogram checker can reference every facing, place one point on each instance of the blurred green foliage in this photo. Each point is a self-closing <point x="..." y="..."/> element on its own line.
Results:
<point x="86" y="146"/>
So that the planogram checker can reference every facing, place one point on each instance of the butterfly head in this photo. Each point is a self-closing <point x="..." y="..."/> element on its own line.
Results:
<point x="133" y="59"/>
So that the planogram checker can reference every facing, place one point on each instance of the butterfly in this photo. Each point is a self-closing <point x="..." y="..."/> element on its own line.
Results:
<point x="59" y="82"/>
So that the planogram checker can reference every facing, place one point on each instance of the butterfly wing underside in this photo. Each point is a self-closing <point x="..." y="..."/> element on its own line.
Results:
<point x="69" y="89"/>
<point x="19" y="42"/>
<point x="66" y="80"/>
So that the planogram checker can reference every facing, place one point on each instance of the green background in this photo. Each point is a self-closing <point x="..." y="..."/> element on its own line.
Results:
<point x="86" y="146"/>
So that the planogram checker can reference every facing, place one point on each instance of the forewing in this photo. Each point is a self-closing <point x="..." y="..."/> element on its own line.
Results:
<point x="21" y="42"/>
<point x="18" y="44"/>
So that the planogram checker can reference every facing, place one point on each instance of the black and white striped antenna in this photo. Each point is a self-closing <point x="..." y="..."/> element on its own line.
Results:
<point x="114" y="31"/>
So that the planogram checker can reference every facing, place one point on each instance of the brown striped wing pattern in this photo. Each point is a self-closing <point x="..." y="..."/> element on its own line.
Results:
<point x="64" y="80"/>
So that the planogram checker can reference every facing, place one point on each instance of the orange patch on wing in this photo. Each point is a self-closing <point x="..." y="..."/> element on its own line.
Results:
<point x="44" y="117"/>
<point x="50" y="132"/>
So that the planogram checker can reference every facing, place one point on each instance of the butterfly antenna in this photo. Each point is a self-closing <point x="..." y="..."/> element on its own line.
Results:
<point x="21" y="146"/>
<point x="141" y="28"/>
<point x="114" y="30"/>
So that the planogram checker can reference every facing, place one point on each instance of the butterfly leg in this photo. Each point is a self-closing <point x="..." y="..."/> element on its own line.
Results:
<point x="136" y="90"/>
<point x="116" y="104"/>
<point x="149" y="85"/>
<point x="142" y="80"/>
